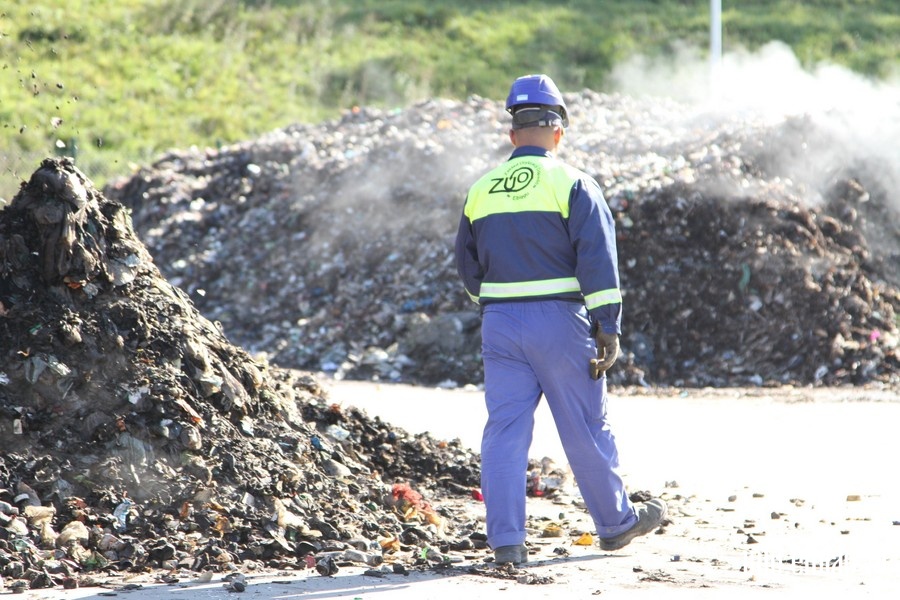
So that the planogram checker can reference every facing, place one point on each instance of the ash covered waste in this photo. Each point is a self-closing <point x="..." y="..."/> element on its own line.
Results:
<point x="135" y="436"/>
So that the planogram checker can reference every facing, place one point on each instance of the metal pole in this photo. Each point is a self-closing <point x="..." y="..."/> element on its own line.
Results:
<point x="715" y="32"/>
<point x="715" y="47"/>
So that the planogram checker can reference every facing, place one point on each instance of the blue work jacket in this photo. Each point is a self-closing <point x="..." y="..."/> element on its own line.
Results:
<point x="535" y="228"/>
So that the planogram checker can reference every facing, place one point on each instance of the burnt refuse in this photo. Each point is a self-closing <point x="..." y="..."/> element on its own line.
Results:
<point x="136" y="437"/>
<point x="752" y="252"/>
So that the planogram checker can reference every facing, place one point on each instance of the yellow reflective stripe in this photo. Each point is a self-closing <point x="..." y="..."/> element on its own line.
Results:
<point x="521" y="289"/>
<point x="603" y="297"/>
<point x="473" y="297"/>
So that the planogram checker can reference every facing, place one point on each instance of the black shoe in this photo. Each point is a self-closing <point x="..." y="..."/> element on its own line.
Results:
<point x="650" y="516"/>
<point x="516" y="555"/>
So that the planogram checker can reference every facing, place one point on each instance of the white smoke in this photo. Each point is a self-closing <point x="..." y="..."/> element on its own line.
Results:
<point x="860" y="115"/>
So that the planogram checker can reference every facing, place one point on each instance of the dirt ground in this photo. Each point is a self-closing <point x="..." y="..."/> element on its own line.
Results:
<point x="772" y="493"/>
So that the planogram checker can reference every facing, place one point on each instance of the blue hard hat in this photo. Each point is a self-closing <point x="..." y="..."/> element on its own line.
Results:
<point x="537" y="92"/>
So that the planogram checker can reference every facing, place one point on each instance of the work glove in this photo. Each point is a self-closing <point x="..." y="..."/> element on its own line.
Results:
<point x="607" y="353"/>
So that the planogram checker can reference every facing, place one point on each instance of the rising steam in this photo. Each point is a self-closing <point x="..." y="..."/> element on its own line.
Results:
<point x="858" y="118"/>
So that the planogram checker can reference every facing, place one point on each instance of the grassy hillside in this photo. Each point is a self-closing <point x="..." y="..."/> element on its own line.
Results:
<point x="119" y="81"/>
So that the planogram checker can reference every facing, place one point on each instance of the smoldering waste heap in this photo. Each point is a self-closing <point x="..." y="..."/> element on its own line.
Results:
<point x="134" y="436"/>
<point x="752" y="251"/>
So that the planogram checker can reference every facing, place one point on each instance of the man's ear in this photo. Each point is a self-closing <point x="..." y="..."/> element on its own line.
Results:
<point x="512" y="136"/>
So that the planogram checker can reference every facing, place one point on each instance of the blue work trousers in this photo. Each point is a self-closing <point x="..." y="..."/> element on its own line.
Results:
<point x="530" y="349"/>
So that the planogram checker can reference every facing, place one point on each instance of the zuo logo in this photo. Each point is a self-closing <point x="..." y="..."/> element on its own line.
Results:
<point x="515" y="181"/>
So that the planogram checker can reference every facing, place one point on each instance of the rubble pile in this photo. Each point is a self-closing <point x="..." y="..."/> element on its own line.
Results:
<point x="135" y="436"/>
<point x="752" y="252"/>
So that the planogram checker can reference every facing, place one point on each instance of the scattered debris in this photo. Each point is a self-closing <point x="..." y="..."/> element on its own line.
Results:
<point x="658" y="576"/>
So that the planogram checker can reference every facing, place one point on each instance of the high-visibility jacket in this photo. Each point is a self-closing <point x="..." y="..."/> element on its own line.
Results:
<point x="535" y="228"/>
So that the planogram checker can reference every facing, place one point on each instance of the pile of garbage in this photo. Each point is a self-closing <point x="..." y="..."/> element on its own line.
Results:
<point x="134" y="436"/>
<point x="752" y="251"/>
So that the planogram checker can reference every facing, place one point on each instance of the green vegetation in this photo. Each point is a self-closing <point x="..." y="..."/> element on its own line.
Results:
<point x="124" y="80"/>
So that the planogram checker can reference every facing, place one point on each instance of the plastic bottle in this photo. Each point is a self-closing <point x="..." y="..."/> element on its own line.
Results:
<point x="370" y="558"/>
<point x="431" y="555"/>
<point x="326" y="566"/>
<point x="121" y="514"/>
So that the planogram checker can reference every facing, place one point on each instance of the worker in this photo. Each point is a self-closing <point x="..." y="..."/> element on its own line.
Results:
<point x="536" y="249"/>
